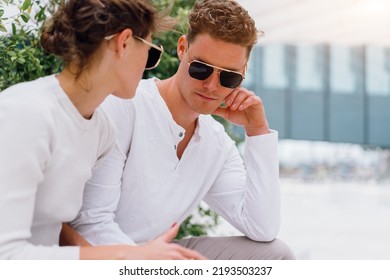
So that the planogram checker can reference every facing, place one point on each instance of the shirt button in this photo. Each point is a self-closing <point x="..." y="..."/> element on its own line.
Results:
<point x="181" y="134"/>
<point x="174" y="147"/>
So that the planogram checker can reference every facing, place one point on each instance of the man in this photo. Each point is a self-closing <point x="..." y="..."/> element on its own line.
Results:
<point x="171" y="153"/>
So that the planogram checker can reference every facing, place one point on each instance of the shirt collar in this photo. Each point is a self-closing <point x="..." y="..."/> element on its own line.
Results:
<point x="177" y="130"/>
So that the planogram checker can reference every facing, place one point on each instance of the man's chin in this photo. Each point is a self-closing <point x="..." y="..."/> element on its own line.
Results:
<point x="205" y="110"/>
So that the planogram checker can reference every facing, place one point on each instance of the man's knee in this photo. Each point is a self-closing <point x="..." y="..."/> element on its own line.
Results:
<point x="238" y="248"/>
<point x="274" y="250"/>
<point x="282" y="251"/>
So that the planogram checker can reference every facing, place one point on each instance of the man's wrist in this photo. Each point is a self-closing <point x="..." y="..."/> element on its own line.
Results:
<point x="255" y="131"/>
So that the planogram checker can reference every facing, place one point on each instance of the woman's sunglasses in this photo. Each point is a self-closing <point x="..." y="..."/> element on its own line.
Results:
<point x="227" y="78"/>
<point x="154" y="55"/>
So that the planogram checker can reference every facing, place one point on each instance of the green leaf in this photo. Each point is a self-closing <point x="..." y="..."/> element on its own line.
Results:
<point x="26" y="5"/>
<point x="2" y="27"/>
<point x="40" y="16"/>
<point x="11" y="54"/>
<point x="21" y="60"/>
<point x="25" y="17"/>
<point x="13" y="29"/>
<point x="1" y="13"/>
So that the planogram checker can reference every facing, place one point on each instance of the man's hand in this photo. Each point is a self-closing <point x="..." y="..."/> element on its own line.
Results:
<point x="244" y="108"/>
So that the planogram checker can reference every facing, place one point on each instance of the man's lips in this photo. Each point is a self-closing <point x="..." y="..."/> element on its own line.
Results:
<point x="204" y="97"/>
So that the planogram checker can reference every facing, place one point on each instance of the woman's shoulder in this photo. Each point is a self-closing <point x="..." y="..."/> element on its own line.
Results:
<point x="27" y="87"/>
<point x="28" y="98"/>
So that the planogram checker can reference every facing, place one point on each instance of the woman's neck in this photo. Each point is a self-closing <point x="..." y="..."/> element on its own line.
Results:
<point x="82" y="90"/>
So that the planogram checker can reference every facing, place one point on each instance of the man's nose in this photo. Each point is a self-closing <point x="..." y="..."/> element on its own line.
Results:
<point x="212" y="82"/>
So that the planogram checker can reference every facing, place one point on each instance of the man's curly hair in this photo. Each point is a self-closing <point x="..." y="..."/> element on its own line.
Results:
<point x="224" y="20"/>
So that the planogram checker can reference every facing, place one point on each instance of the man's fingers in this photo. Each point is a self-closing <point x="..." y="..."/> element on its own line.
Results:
<point x="240" y="97"/>
<point x="251" y="100"/>
<point x="222" y="112"/>
<point x="230" y="98"/>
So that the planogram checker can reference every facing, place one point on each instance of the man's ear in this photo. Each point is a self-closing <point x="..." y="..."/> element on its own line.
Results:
<point x="245" y="69"/>
<point x="122" y="43"/>
<point x="182" y="45"/>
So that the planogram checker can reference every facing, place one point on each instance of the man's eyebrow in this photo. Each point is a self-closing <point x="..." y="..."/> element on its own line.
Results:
<point x="226" y="68"/>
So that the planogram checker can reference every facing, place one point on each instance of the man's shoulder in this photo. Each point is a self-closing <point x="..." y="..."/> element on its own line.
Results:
<point x="146" y="87"/>
<point x="211" y="123"/>
<point x="213" y="129"/>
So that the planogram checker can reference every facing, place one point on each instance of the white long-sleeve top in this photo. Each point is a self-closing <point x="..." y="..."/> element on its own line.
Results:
<point x="142" y="188"/>
<point x="47" y="153"/>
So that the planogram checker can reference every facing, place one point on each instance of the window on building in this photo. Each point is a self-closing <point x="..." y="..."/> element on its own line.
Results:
<point x="377" y="71"/>
<point x="251" y="71"/>
<point x="309" y="68"/>
<point x="274" y="67"/>
<point x="342" y="75"/>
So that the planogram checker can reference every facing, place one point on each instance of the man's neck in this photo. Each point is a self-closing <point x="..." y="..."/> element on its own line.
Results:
<point x="181" y="113"/>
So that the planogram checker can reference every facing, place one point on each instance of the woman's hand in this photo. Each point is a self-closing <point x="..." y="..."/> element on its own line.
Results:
<point x="158" y="249"/>
<point x="162" y="249"/>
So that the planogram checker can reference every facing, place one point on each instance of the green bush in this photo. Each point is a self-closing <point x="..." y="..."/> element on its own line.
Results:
<point x="21" y="55"/>
<point x="170" y="62"/>
<point x="22" y="59"/>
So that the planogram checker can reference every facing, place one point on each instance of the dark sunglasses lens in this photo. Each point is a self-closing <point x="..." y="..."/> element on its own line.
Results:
<point x="153" y="58"/>
<point x="230" y="79"/>
<point x="199" y="70"/>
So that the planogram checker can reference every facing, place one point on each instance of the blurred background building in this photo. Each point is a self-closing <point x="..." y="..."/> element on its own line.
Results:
<point x="323" y="72"/>
<point x="323" y="69"/>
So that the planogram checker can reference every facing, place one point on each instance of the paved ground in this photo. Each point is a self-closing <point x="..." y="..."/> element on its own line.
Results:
<point x="335" y="220"/>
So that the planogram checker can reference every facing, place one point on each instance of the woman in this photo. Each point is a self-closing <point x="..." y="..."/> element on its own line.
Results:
<point x="53" y="133"/>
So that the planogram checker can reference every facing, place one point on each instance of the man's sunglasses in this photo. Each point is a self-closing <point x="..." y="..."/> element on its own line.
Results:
<point x="227" y="78"/>
<point x="154" y="55"/>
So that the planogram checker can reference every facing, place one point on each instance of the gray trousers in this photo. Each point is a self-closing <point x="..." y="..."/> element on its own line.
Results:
<point x="237" y="248"/>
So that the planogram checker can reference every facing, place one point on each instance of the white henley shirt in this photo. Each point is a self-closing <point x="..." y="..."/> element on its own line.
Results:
<point x="142" y="188"/>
